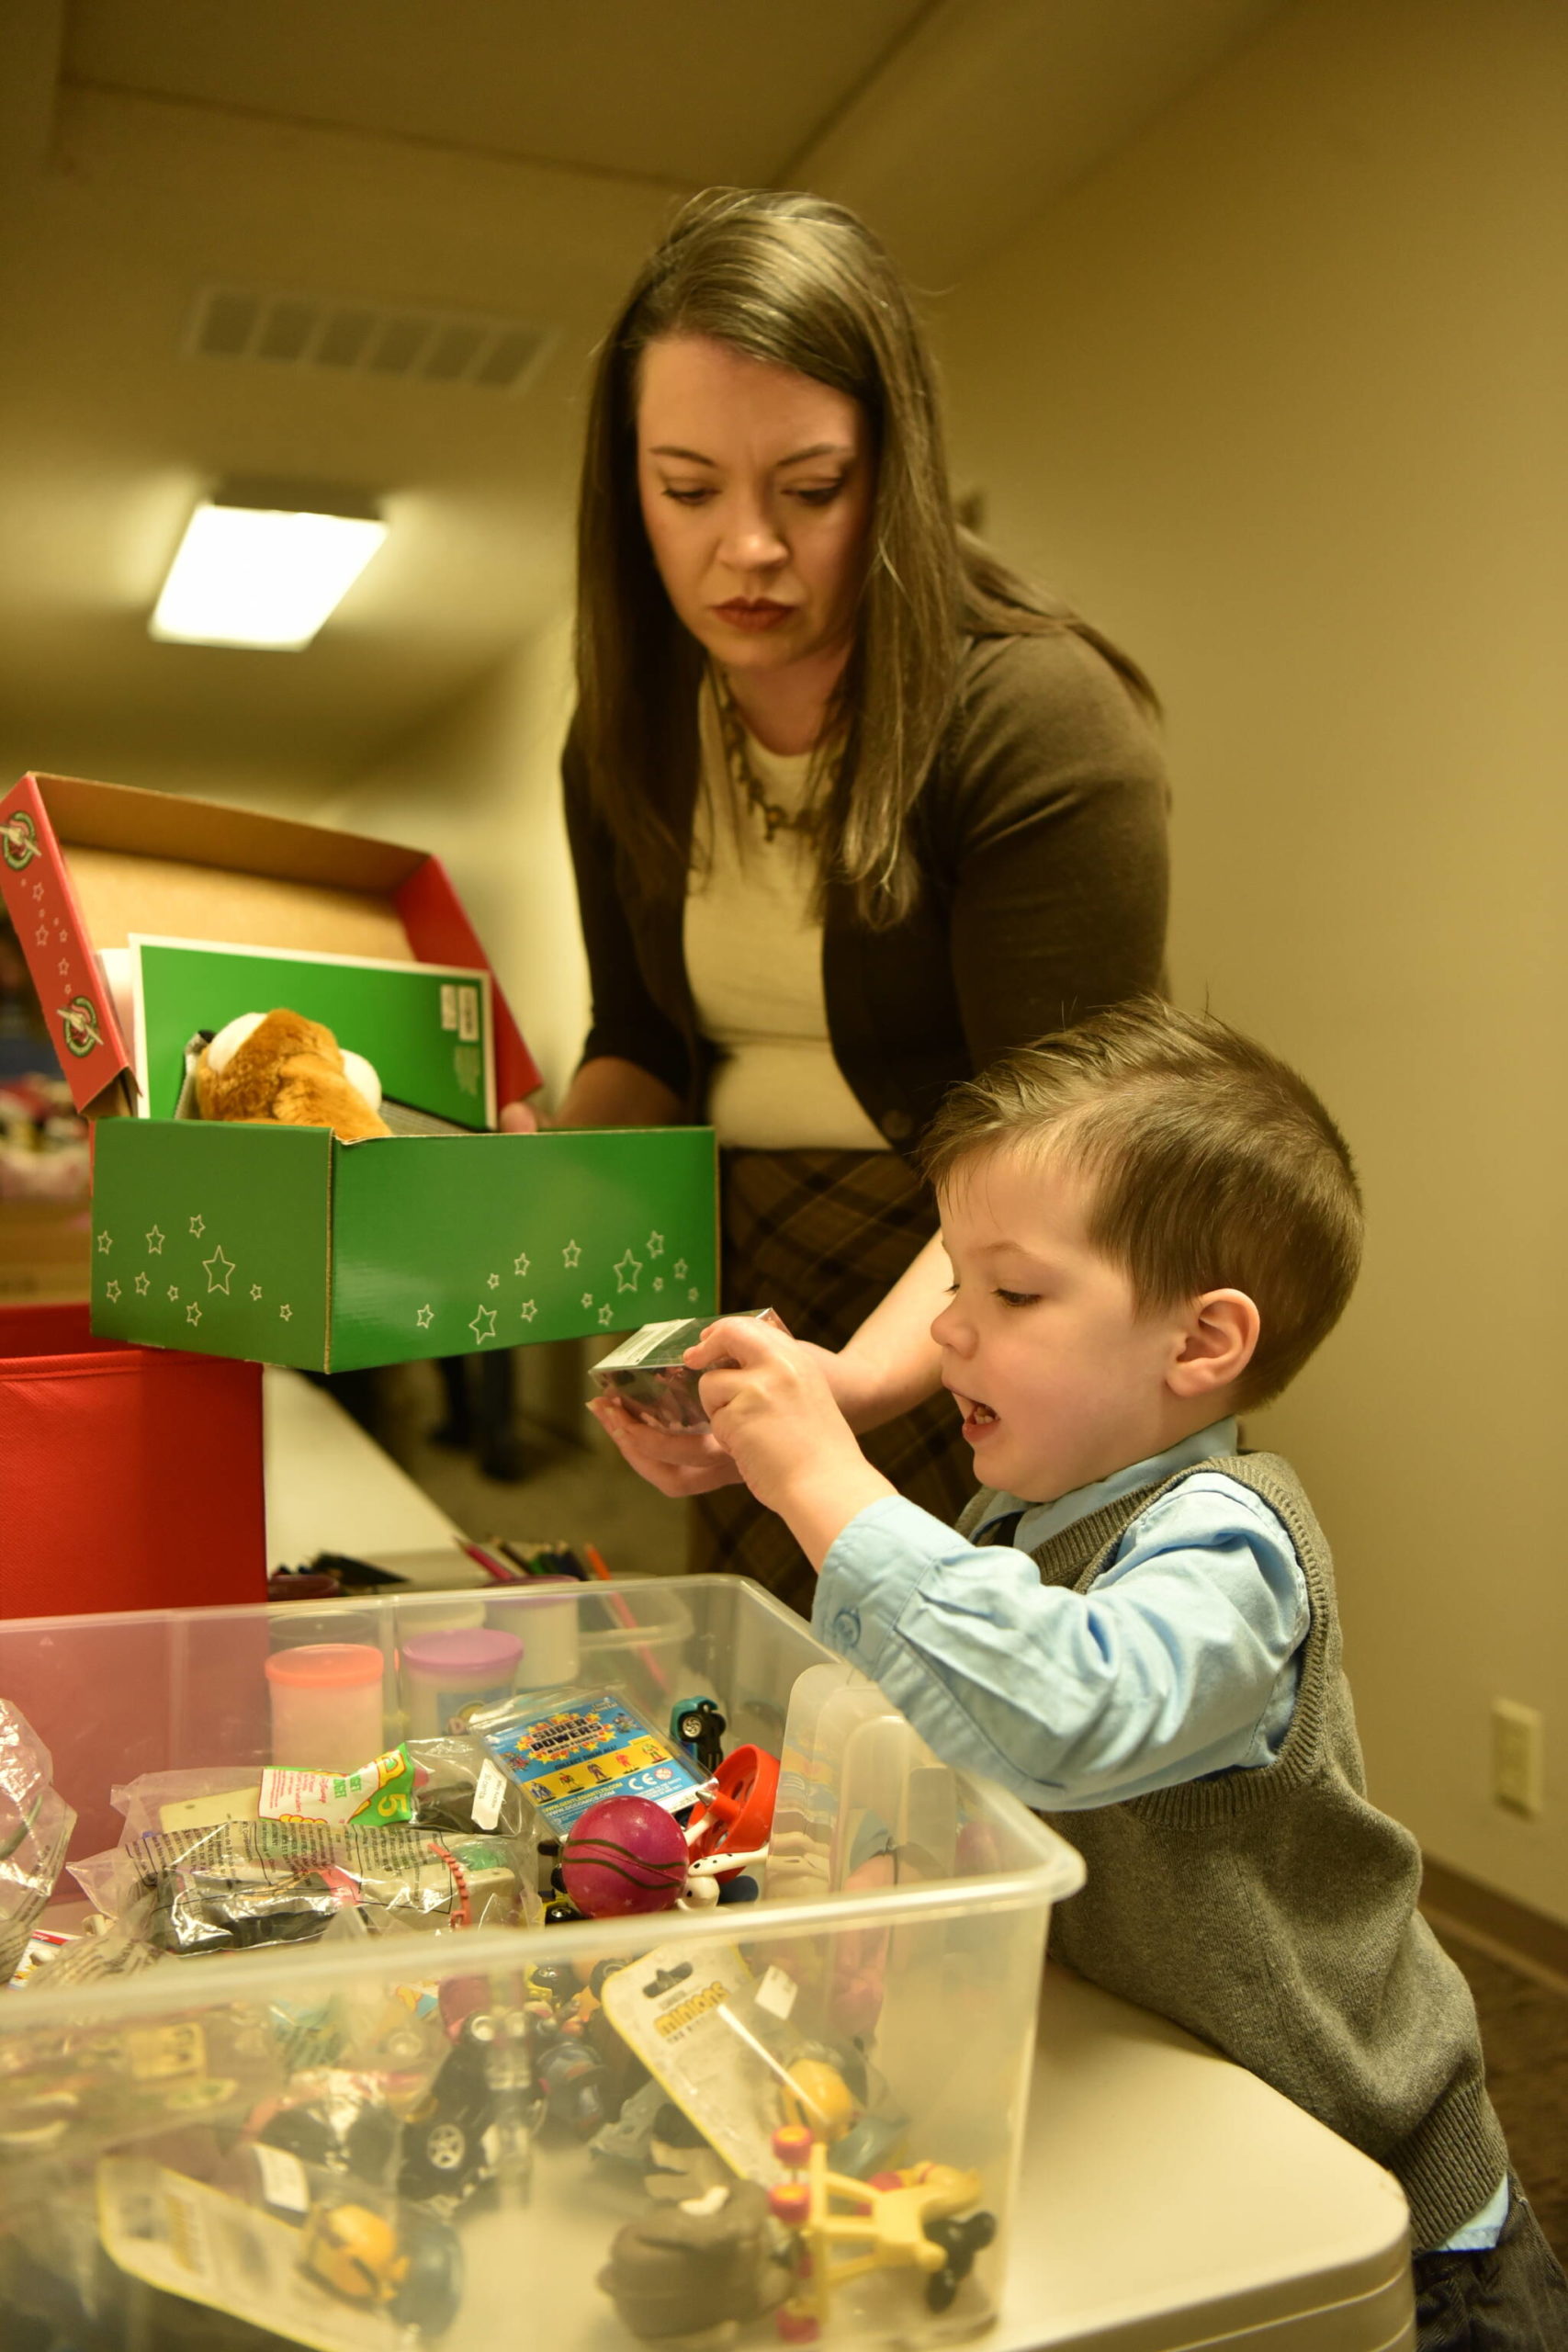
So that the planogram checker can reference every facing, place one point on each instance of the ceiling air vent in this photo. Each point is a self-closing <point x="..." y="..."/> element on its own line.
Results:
<point x="360" y="338"/>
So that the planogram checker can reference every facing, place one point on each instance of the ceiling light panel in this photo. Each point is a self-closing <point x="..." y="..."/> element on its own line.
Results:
<point x="261" y="574"/>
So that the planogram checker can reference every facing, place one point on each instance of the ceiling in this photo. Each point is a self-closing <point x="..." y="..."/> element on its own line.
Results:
<point x="497" y="159"/>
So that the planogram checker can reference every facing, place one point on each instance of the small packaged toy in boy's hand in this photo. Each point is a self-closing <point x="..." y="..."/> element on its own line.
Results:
<point x="648" y="1376"/>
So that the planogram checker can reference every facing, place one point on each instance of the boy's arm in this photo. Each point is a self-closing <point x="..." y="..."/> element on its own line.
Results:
<point x="774" y="1414"/>
<point x="1180" y="1662"/>
<point x="1183" y="1659"/>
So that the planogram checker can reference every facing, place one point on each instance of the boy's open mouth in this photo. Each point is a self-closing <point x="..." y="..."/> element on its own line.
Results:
<point x="976" y="1416"/>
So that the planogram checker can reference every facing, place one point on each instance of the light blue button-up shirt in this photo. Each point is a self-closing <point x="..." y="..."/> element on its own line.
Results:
<point x="1183" y="1659"/>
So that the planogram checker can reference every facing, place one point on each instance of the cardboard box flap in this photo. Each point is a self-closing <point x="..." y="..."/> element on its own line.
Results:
<point x="55" y="938"/>
<point x="204" y="832"/>
<point x="83" y="865"/>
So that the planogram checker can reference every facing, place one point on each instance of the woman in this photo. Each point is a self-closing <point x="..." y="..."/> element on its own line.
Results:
<point x="851" y="809"/>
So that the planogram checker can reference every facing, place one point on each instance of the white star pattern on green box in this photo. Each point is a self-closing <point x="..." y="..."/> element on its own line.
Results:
<point x="298" y="1250"/>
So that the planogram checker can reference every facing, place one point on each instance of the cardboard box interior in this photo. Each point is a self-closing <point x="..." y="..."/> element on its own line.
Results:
<point x="188" y="869"/>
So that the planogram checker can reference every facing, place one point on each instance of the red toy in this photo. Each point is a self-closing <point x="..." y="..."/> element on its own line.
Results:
<point x="737" y="1818"/>
<point x="624" y="1854"/>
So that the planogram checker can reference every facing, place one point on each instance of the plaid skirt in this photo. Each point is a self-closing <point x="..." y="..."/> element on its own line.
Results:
<point x="821" y="1237"/>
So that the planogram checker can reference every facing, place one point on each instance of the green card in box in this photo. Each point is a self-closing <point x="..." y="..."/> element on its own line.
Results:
<point x="426" y="1028"/>
<point x="284" y="1245"/>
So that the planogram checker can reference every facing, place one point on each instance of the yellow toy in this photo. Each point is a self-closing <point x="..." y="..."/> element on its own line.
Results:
<point x="906" y="2218"/>
<point x="360" y="2255"/>
<point x="817" y="2096"/>
<point x="278" y="1069"/>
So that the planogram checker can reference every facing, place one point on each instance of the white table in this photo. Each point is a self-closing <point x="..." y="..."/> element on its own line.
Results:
<point x="329" y="1488"/>
<point x="1171" y="2200"/>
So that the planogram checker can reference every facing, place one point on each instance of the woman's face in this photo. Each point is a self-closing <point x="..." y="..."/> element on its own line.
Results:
<point x="757" y="488"/>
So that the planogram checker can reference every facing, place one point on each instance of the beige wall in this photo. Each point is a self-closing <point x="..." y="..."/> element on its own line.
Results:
<point x="1277" y="395"/>
<point x="479" y="787"/>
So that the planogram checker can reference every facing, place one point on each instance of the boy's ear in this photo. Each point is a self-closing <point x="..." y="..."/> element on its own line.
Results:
<point x="1217" y="1346"/>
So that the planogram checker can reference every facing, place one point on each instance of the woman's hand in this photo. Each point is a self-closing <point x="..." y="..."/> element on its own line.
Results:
<point x="679" y="1463"/>
<point x="523" y="1119"/>
<point x="682" y="1462"/>
<point x="772" y="1411"/>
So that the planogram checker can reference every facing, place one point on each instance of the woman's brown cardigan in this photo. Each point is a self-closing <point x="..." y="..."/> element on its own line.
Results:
<point x="1039" y="832"/>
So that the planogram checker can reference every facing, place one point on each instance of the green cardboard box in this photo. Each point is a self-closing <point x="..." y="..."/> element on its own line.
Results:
<point x="285" y="1245"/>
<point x="281" y="1244"/>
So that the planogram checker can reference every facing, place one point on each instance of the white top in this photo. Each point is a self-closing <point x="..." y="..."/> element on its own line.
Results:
<point x="753" y="947"/>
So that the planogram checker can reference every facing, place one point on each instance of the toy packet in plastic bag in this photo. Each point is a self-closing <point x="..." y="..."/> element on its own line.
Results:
<point x="35" y="1823"/>
<point x="567" y="1748"/>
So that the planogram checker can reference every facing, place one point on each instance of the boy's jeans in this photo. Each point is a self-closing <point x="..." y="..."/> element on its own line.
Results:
<point x="1514" y="2299"/>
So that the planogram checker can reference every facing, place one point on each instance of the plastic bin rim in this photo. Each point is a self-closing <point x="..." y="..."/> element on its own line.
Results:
<point x="396" y="1596"/>
<point x="1058" y="1870"/>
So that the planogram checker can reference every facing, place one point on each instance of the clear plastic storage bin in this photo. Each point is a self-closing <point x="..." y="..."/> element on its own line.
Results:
<point x="485" y="2139"/>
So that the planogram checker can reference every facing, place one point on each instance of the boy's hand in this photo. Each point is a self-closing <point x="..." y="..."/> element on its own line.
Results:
<point x="772" y="1411"/>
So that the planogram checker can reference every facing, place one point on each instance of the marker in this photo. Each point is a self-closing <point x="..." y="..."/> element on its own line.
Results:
<point x="626" y="1616"/>
<point x="499" y="1571"/>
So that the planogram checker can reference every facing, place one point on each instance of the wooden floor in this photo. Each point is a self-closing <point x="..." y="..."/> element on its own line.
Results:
<point x="1524" y="2031"/>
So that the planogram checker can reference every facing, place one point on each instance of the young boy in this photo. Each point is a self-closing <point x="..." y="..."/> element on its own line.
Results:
<point x="1152" y="1222"/>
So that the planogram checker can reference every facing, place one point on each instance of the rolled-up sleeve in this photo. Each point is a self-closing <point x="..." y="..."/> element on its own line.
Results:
<point x="1180" y="1661"/>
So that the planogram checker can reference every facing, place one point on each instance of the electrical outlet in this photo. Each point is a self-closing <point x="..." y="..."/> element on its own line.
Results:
<point x="1517" y="1740"/>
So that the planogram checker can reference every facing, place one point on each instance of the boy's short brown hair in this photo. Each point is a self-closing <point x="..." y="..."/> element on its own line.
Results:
<point x="1213" y="1166"/>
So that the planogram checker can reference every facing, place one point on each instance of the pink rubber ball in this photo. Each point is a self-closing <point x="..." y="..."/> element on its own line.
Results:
<point x="623" y="1854"/>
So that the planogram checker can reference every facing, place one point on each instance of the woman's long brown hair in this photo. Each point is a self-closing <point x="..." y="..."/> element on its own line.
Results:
<point x="798" y="283"/>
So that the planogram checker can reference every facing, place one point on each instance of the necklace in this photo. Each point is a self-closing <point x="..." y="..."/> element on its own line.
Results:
<point x="776" y="817"/>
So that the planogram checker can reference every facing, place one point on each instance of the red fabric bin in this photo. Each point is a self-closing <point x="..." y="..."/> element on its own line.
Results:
<point x="130" y="1477"/>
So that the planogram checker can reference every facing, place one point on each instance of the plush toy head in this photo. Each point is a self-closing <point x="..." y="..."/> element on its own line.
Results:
<point x="278" y="1069"/>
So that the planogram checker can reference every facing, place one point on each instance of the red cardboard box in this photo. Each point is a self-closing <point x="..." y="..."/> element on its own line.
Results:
<point x="130" y="1477"/>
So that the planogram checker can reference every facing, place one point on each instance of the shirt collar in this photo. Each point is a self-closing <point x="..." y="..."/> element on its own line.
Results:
<point x="1040" y="1522"/>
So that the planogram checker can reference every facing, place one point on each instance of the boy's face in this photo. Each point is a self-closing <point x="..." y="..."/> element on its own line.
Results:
<point x="1060" y="1378"/>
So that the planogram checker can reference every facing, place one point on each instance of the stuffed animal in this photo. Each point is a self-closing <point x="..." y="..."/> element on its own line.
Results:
<point x="278" y="1069"/>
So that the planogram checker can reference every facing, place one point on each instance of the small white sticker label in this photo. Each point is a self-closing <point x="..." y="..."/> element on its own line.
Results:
<point x="448" y="1005"/>
<point x="776" y="1992"/>
<point x="467" y="1014"/>
<point x="489" y="1789"/>
<point x="282" y="2178"/>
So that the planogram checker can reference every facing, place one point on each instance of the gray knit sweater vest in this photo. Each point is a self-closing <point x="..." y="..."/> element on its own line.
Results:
<point x="1272" y="1911"/>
